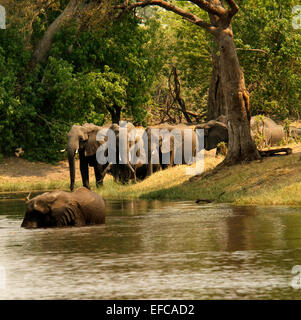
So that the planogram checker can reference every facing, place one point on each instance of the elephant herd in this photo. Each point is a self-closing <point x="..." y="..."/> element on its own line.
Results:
<point x="146" y="151"/>
<point x="85" y="140"/>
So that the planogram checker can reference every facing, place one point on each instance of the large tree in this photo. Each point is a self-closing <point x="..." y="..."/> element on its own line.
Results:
<point x="241" y="147"/>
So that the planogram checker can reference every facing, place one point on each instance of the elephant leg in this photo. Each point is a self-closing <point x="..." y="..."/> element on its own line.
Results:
<point x="98" y="175"/>
<point x="132" y="170"/>
<point x="84" y="169"/>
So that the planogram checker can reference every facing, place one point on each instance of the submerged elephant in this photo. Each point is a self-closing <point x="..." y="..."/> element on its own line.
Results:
<point x="60" y="209"/>
<point x="83" y="140"/>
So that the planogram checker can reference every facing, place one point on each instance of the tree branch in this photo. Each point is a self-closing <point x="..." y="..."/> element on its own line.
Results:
<point x="210" y="8"/>
<point x="170" y="7"/>
<point x="250" y="49"/>
<point x="233" y="8"/>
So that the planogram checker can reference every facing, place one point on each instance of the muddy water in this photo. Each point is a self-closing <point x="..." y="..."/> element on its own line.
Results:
<point x="154" y="250"/>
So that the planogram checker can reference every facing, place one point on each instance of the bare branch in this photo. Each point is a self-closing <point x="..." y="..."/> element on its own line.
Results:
<point x="250" y="49"/>
<point x="233" y="8"/>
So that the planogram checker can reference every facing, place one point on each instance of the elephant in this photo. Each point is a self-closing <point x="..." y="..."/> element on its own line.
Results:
<point x="171" y="140"/>
<point x="83" y="139"/>
<point x="295" y="132"/>
<point x="61" y="209"/>
<point x="216" y="131"/>
<point x="271" y="132"/>
<point x="122" y="170"/>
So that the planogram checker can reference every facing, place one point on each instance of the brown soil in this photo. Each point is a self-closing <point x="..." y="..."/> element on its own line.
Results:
<point x="16" y="170"/>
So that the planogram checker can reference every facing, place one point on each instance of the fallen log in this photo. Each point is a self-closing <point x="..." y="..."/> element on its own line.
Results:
<point x="276" y="152"/>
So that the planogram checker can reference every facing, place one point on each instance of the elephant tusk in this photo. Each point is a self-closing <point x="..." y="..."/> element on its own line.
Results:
<point x="131" y="168"/>
<point x="106" y="169"/>
<point x="28" y="197"/>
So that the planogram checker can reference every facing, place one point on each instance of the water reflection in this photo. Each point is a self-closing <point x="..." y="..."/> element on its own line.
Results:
<point x="153" y="249"/>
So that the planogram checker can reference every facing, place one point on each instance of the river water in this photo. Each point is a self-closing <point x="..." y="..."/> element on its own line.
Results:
<point x="154" y="250"/>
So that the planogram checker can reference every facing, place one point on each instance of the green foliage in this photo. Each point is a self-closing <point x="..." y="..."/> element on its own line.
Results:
<point x="129" y="49"/>
<point x="127" y="63"/>
<point x="268" y="49"/>
<point x="88" y="72"/>
<point x="188" y="48"/>
<point x="272" y="73"/>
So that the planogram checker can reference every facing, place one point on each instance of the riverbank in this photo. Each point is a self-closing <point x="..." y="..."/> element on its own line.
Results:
<point x="270" y="181"/>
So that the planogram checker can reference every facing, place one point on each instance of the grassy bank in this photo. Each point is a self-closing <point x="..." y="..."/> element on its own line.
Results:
<point x="271" y="181"/>
<point x="6" y="187"/>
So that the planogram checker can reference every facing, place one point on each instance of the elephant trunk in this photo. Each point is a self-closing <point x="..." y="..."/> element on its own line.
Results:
<point x="71" y="156"/>
<point x="29" y="224"/>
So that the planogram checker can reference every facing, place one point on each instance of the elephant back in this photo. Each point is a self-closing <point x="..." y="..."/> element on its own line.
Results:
<point x="91" y="204"/>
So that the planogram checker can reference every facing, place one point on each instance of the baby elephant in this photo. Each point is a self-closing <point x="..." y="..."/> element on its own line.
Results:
<point x="61" y="209"/>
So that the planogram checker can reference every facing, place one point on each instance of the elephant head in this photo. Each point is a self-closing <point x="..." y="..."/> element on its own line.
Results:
<point x="81" y="138"/>
<point x="59" y="208"/>
<point x="39" y="212"/>
<point x="123" y="170"/>
<point x="214" y="133"/>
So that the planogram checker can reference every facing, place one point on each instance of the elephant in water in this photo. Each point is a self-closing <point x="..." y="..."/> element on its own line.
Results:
<point x="61" y="209"/>
<point x="83" y="139"/>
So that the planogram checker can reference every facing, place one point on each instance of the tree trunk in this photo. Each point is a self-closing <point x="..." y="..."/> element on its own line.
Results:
<point x="177" y="93"/>
<point x="241" y="147"/>
<point x="216" y="100"/>
<point x="43" y="47"/>
<point x="115" y="113"/>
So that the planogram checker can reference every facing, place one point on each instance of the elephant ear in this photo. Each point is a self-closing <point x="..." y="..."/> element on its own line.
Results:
<point x="43" y="202"/>
<point x="91" y="144"/>
<point x="65" y="213"/>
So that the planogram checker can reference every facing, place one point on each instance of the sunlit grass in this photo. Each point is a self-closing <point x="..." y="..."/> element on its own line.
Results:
<point x="34" y="186"/>
<point x="271" y="181"/>
<point x="159" y="183"/>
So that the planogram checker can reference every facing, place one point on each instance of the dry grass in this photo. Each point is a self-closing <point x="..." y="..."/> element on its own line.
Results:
<point x="159" y="182"/>
<point x="271" y="181"/>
